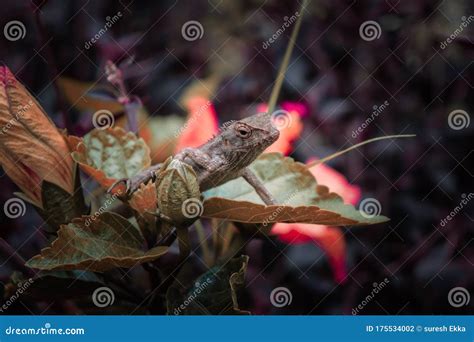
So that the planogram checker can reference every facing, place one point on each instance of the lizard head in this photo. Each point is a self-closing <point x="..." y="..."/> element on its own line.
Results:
<point x="249" y="137"/>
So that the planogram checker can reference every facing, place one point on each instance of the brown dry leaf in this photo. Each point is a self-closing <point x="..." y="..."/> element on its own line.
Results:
<point x="96" y="243"/>
<point x="111" y="154"/>
<point x="293" y="186"/>
<point x="144" y="199"/>
<point x="32" y="149"/>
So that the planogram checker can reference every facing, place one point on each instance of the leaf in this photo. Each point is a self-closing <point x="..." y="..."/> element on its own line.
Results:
<point x="213" y="293"/>
<point x="32" y="149"/>
<point x="60" y="207"/>
<point x="111" y="154"/>
<point x="336" y="182"/>
<point x="293" y="186"/>
<point x="144" y="199"/>
<point x="89" y="96"/>
<point x="144" y="202"/>
<point x="201" y="124"/>
<point x="96" y="243"/>
<point x="178" y="192"/>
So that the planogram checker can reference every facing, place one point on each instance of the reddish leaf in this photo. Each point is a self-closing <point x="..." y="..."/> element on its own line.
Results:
<point x="32" y="149"/>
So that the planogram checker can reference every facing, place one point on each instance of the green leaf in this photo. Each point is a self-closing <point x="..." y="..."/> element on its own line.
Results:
<point x="293" y="186"/>
<point x="96" y="243"/>
<point x="111" y="154"/>
<point x="213" y="293"/>
<point x="60" y="207"/>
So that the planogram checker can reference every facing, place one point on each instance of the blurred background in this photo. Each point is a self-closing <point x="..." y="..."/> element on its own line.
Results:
<point x="360" y="69"/>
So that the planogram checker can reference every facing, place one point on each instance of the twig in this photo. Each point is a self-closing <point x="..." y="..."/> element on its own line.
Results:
<point x="337" y="154"/>
<point x="131" y="103"/>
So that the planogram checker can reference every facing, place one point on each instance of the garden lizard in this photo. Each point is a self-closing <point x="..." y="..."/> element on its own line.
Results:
<point x="226" y="156"/>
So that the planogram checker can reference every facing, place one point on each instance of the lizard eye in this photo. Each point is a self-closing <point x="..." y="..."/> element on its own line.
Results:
<point x="243" y="131"/>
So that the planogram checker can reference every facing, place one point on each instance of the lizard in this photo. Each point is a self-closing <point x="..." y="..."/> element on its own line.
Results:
<point x="228" y="155"/>
<point x="224" y="157"/>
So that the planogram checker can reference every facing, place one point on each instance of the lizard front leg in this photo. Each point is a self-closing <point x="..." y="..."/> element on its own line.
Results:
<point x="207" y="163"/>
<point x="253" y="180"/>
